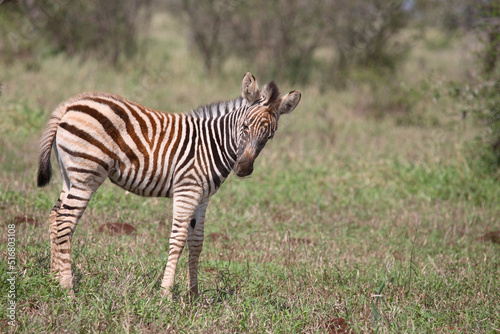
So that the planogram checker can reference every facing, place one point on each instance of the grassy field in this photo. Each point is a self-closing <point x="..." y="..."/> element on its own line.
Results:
<point x="349" y="223"/>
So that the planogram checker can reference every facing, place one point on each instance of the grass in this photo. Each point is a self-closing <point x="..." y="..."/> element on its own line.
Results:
<point x="348" y="222"/>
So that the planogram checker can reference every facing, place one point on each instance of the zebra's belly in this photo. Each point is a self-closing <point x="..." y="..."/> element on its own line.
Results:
<point x="142" y="184"/>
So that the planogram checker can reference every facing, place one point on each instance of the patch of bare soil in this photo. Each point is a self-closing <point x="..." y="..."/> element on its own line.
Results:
<point x="218" y="237"/>
<point x="493" y="236"/>
<point x="337" y="326"/>
<point x="117" y="228"/>
<point x="25" y="220"/>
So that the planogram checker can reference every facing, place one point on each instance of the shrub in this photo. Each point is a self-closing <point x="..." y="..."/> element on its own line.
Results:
<point x="106" y="28"/>
<point x="483" y="101"/>
<point x="281" y="38"/>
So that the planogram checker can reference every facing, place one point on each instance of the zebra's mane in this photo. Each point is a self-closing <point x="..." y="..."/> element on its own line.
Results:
<point x="217" y="109"/>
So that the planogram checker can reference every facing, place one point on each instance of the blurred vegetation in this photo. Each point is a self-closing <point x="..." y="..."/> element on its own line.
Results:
<point x="108" y="30"/>
<point x="283" y="38"/>
<point x="450" y="16"/>
<point x="324" y="43"/>
<point x="481" y="96"/>
<point x="376" y="205"/>
<point x="482" y="100"/>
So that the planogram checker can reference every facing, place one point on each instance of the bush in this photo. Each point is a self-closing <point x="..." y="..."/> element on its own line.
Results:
<point x="483" y="101"/>
<point x="281" y="38"/>
<point x="106" y="28"/>
<point x="489" y="23"/>
<point x="17" y="32"/>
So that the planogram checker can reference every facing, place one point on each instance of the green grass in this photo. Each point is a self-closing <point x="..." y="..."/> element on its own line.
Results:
<point x="374" y="221"/>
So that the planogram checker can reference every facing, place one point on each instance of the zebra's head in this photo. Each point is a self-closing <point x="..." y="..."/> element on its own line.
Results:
<point x="261" y="120"/>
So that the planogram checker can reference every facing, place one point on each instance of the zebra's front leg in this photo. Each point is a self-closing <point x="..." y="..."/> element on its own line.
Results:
<point x="195" y="242"/>
<point x="184" y="210"/>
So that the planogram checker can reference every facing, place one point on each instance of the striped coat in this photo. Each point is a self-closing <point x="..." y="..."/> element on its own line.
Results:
<point x="150" y="153"/>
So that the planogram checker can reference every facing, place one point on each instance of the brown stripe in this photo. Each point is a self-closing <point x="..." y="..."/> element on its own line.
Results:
<point x="85" y="156"/>
<point x="120" y="112"/>
<point x="88" y="138"/>
<point x="189" y="157"/>
<point x="137" y="116"/>
<point x="149" y="114"/>
<point x="111" y="131"/>
<point x="83" y="170"/>
<point x="156" y="161"/>
<point x="177" y="125"/>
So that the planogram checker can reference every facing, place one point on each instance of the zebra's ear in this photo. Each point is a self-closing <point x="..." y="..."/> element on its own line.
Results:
<point x="289" y="102"/>
<point x="249" y="88"/>
<point x="270" y="93"/>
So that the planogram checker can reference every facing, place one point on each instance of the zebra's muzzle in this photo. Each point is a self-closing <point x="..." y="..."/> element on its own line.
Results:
<point x="244" y="166"/>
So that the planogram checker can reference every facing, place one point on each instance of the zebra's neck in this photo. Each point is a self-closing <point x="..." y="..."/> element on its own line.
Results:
<point x="220" y="126"/>
<point x="218" y="109"/>
<point x="234" y="122"/>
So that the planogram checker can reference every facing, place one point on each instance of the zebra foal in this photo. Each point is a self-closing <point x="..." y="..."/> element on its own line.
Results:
<point x="150" y="153"/>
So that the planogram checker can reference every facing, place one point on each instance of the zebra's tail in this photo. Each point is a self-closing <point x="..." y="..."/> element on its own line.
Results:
<point x="44" y="165"/>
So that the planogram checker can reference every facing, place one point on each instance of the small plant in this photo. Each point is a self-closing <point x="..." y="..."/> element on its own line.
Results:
<point x="227" y="284"/>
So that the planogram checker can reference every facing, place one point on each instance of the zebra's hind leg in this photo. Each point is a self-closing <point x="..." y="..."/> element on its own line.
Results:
<point x="54" y="267"/>
<point x="195" y="243"/>
<point x="70" y="211"/>
<point x="54" y="250"/>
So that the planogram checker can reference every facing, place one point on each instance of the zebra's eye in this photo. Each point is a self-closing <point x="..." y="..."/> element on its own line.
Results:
<point x="245" y="126"/>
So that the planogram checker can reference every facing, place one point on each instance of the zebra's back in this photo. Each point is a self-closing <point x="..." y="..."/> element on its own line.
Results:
<point x="137" y="147"/>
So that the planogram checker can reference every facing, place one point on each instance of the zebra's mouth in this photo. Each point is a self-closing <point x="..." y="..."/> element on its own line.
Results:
<point x="242" y="174"/>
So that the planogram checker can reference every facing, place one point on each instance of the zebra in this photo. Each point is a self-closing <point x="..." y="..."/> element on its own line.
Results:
<point x="186" y="156"/>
